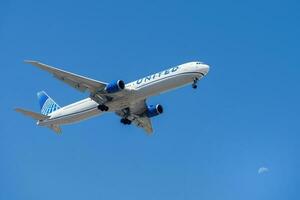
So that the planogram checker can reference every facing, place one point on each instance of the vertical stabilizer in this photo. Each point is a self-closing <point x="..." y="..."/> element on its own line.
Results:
<point x="47" y="104"/>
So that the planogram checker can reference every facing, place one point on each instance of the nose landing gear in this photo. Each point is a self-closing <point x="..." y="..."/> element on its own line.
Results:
<point x="194" y="85"/>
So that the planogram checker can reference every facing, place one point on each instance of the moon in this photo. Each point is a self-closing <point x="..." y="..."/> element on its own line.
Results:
<point x="262" y="170"/>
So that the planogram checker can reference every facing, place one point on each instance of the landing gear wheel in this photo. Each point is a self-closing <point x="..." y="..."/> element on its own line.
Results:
<point x="103" y="107"/>
<point x="125" y="121"/>
<point x="194" y="85"/>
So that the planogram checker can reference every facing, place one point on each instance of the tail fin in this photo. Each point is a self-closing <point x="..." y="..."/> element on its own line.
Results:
<point x="47" y="105"/>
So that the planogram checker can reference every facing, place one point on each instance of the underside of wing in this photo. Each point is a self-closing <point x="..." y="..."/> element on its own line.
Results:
<point x="136" y="114"/>
<point x="78" y="82"/>
<point x="143" y="122"/>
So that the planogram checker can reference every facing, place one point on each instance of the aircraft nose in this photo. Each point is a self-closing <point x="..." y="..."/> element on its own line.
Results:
<point x="204" y="68"/>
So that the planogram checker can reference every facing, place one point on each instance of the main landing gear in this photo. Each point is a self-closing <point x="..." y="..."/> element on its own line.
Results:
<point x="103" y="107"/>
<point x="194" y="85"/>
<point x="125" y="121"/>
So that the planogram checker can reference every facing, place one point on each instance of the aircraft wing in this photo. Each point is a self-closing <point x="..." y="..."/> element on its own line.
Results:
<point x="136" y="113"/>
<point x="78" y="82"/>
<point x="145" y="123"/>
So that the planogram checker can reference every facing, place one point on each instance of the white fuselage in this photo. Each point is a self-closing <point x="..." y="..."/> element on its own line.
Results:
<point x="154" y="84"/>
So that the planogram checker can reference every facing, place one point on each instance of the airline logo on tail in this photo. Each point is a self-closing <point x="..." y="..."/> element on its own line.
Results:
<point x="47" y="105"/>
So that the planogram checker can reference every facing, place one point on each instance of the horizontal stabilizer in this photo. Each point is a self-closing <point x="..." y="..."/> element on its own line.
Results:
<point x="56" y="129"/>
<point x="31" y="114"/>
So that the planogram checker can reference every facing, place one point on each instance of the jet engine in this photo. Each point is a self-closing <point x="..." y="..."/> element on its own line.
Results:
<point x="115" y="87"/>
<point x="154" y="110"/>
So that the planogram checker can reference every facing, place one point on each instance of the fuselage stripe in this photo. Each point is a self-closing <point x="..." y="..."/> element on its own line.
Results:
<point x="75" y="113"/>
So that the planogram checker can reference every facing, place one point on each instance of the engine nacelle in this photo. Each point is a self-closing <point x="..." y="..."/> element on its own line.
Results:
<point x="115" y="87"/>
<point x="154" y="110"/>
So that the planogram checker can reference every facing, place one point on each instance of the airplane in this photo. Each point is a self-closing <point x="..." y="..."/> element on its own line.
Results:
<point x="126" y="100"/>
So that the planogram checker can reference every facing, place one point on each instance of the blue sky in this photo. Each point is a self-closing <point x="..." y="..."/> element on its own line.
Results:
<point x="209" y="143"/>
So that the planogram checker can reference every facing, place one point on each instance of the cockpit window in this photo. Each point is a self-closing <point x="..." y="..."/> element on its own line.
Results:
<point x="199" y="63"/>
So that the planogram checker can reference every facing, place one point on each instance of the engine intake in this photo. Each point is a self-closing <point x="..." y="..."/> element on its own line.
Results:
<point x="154" y="110"/>
<point x="115" y="87"/>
